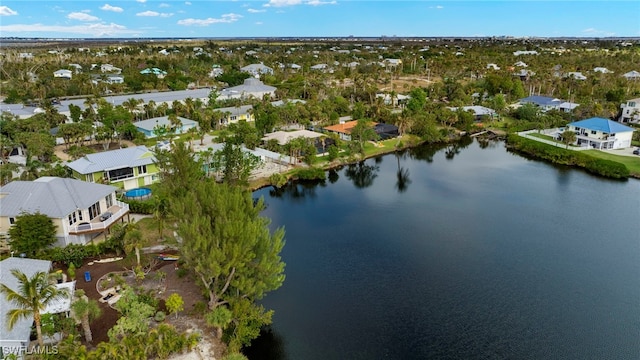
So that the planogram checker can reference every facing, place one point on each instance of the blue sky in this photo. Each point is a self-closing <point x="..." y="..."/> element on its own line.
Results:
<point x="237" y="18"/>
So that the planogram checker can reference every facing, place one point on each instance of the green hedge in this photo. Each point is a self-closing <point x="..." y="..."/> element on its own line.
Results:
<point x="142" y="207"/>
<point x="558" y="155"/>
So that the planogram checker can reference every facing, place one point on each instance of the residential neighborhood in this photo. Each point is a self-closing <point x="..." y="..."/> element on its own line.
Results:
<point x="133" y="175"/>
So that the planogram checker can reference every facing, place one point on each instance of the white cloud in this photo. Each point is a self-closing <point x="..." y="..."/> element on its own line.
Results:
<point x="164" y="5"/>
<point x="319" y="2"/>
<point x="107" y="7"/>
<point x="6" y="11"/>
<point x="256" y="11"/>
<point x="154" y="13"/>
<point x="596" y="32"/>
<point x="83" y="29"/>
<point x="187" y="2"/>
<point x="258" y="22"/>
<point x="141" y="1"/>
<point x="226" y="18"/>
<point x="281" y="3"/>
<point x="81" y="16"/>
<point x="436" y="7"/>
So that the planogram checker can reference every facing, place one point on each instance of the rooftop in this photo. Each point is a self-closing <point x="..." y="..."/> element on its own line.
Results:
<point x="52" y="196"/>
<point x="114" y="159"/>
<point x="599" y="124"/>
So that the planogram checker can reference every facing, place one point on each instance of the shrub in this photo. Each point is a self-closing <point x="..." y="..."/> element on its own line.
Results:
<point x="160" y="316"/>
<point x="181" y="272"/>
<point x="71" y="271"/>
<point x="278" y="180"/>
<point x="310" y="174"/>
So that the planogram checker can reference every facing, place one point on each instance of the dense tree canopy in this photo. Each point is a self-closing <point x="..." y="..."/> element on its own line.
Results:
<point x="32" y="233"/>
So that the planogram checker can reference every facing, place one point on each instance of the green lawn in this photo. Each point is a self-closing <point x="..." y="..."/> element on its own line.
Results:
<point x="632" y="163"/>
<point x="542" y="136"/>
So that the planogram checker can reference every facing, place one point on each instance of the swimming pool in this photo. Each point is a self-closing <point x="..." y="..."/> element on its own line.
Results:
<point x="138" y="194"/>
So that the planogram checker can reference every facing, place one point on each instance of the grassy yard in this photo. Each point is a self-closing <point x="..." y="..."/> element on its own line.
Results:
<point x="543" y="136"/>
<point x="150" y="231"/>
<point x="632" y="163"/>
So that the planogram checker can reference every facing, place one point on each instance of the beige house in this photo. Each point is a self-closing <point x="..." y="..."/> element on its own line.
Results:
<point x="81" y="211"/>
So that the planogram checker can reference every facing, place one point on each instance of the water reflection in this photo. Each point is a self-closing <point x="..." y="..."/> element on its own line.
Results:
<point x="402" y="174"/>
<point x="362" y="174"/>
<point x="269" y="346"/>
<point x="297" y="191"/>
<point x="333" y="175"/>
<point x="454" y="148"/>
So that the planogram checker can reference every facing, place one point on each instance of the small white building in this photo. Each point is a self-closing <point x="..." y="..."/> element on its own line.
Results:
<point x="632" y="75"/>
<point x="63" y="74"/>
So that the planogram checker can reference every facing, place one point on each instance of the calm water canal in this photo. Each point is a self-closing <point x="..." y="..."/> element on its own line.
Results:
<point x="466" y="252"/>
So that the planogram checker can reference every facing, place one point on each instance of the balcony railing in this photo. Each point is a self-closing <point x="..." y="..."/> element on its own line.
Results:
<point x="118" y="210"/>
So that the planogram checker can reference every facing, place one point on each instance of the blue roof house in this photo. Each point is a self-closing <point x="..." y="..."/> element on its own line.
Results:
<point x="600" y="133"/>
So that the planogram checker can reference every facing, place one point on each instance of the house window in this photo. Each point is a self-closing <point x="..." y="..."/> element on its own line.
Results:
<point x="118" y="174"/>
<point x="142" y="169"/>
<point x="12" y="221"/>
<point x="72" y="218"/>
<point x="109" y="201"/>
<point x="612" y="135"/>
<point x="593" y="132"/>
<point x="632" y="104"/>
<point x="94" y="210"/>
<point x="80" y="215"/>
<point x="233" y="118"/>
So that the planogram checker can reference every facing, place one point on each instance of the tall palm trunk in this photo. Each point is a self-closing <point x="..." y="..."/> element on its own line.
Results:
<point x="86" y="327"/>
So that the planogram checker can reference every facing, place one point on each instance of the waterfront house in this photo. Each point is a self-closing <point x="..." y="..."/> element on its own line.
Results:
<point x="127" y="168"/>
<point x="385" y="131"/>
<point x="17" y="340"/>
<point x="630" y="111"/>
<point x="154" y="127"/>
<point x="632" y="75"/>
<point x="80" y="210"/>
<point x="599" y="133"/>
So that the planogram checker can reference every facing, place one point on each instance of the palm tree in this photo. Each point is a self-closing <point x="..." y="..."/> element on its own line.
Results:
<point x="86" y="310"/>
<point x="32" y="297"/>
<point x="133" y="240"/>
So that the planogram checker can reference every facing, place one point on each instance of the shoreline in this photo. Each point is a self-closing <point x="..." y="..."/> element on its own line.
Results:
<point x="260" y="183"/>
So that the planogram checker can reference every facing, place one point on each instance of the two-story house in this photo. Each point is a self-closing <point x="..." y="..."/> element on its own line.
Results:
<point x="79" y="210"/>
<point x="127" y="168"/>
<point x="630" y="111"/>
<point x="599" y="133"/>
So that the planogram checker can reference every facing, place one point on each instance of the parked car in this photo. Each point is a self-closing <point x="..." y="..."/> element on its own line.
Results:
<point x="636" y="151"/>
